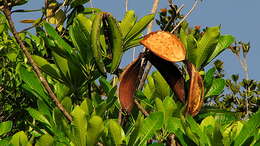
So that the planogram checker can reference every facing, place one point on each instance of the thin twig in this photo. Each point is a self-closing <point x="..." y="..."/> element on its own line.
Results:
<point x="7" y="12"/>
<point x="126" y="5"/>
<point x="119" y="120"/>
<point x="185" y="17"/>
<point x="141" y="108"/>
<point x="149" y="29"/>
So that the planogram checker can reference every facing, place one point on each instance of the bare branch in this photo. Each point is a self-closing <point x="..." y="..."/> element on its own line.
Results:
<point x="186" y="16"/>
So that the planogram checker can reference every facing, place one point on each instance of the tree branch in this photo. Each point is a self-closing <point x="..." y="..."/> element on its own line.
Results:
<point x="7" y="12"/>
<point x="185" y="17"/>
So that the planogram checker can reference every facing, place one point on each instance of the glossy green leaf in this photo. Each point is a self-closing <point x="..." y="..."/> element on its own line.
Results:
<point x="62" y="64"/>
<point x="44" y="109"/>
<point x="67" y="103"/>
<point x="57" y="39"/>
<point x="208" y="78"/>
<point x="80" y="125"/>
<point x="5" y="127"/>
<point x="95" y="128"/>
<point x="169" y="107"/>
<point x="138" y="27"/>
<point x="162" y="88"/>
<point x="127" y="22"/>
<point x="150" y="125"/>
<point x="81" y="38"/>
<point x="217" y="87"/>
<point x="250" y="127"/>
<point x="194" y="131"/>
<point x="32" y="82"/>
<point x="19" y="139"/>
<point x="223" y="42"/>
<point x="116" y="42"/>
<point x="38" y="116"/>
<point x="133" y="43"/>
<point x="116" y="132"/>
<point x="95" y="42"/>
<point x="205" y="47"/>
<point x="50" y="69"/>
<point x="45" y="140"/>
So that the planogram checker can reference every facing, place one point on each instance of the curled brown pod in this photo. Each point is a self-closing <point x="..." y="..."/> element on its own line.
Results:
<point x="128" y="84"/>
<point x="165" y="45"/>
<point x="196" y="90"/>
<point x="170" y="73"/>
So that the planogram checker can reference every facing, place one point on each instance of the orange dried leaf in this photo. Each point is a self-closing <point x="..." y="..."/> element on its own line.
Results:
<point x="128" y="84"/>
<point x="170" y="73"/>
<point x="196" y="91"/>
<point x="165" y="45"/>
<point x="27" y="21"/>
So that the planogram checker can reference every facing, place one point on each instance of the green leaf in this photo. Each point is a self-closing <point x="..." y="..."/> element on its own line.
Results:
<point x="173" y="125"/>
<point x="250" y="127"/>
<point x="116" y="42"/>
<point x="216" y="88"/>
<point x="57" y="39"/>
<point x="138" y="27"/>
<point x="95" y="128"/>
<point x="67" y="103"/>
<point x="150" y="125"/>
<point x="44" y="109"/>
<point x="32" y="82"/>
<point x="128" y="22"/>
<point x="223" y="42"/>
<point x="80" y="125"/>
<point x="116" y="132"/>
<point x="134" y="135"/>
<point x="45" y="140"/>
<point x="169" y="107"/>
<point x="95" y="42"/>
<point x="63" y="66"/>
<point x="208" y="78"/>
<point x="19" y="139"/>
<point x="196" y="133"/>
<point x="38" y="116"/>
<point x="86" y="106"/>
<point x="50" y="69"/>
<point x="81" y="38"/>
<point x="205" y="47"/>
<point x="162" y="88"/>
<point x="5" y="127"/>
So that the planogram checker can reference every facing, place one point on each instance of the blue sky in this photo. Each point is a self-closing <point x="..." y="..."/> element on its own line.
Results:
<point x="239" y="18"/>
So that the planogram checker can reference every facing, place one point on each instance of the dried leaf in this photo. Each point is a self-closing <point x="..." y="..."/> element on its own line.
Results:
<point x="128" y="84"/>
<point x="170" y="73"/>
<point x="27" y="21"/>
<point x="165" y="45"/>
<point x="196" y="90"/>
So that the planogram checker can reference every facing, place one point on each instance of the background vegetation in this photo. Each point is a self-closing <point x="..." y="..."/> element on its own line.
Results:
<point x="59" y="85"/>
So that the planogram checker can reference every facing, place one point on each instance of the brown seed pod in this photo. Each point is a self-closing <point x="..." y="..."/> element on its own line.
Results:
<point x="128" y="84"/>
<point x="170" y="73"/>
<point x="196" y="90"/>
<point x="165" y="45"/>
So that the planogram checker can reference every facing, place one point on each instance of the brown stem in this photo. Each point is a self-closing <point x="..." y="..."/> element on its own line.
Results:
<point x="44" y="82"/>
<point x="141" y="108"/>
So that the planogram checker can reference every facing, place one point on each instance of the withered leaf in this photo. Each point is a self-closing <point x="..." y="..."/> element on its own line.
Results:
<point x="196" y="90"/>
<point x="170" y="73"/>
<point x="165" y="45"/>
<point x="128" y="84"/>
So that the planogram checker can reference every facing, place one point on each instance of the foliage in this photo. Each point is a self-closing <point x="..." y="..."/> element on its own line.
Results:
<point x="80" y="50"/>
